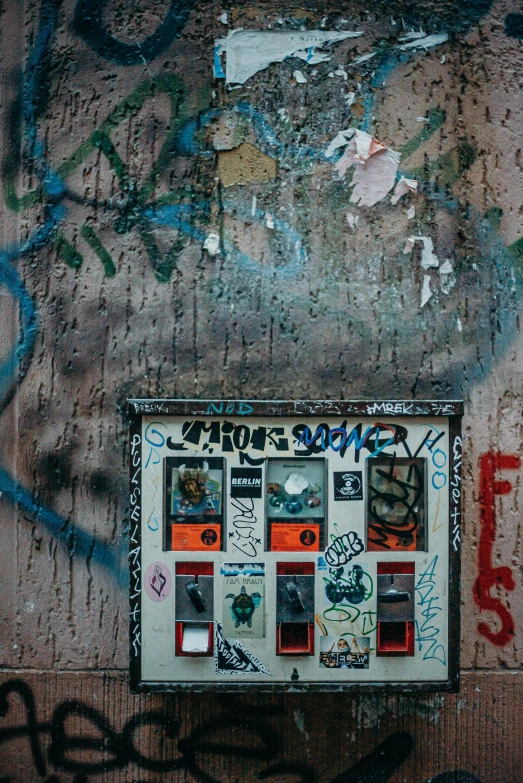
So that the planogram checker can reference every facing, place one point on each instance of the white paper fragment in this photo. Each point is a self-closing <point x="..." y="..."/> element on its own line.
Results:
<point x="340" y="140"/>
<point x="442" y="61"/>
<point x="427" y="42"/>
<point x="447" y="277"/>
<point x="299" y="77"/>
<point x="342" y="72"/>
<point x="413" y="35"/>
<point x="212" y="244"/>
<point x="422" y="119"/>
<point x="253" y="208"/>
<point x="459" y="325"/>
<point x="351" y="97"/>
<point x="352" y="220"/>
<point x="311" y="56"/>
<point x="269" y="220"/>
<point x="224" y="18"/>
<point x="404" y="186"/>
<point x="250" y="51"/>
<point x="426" y="293"/>
<point x="331" y="75"/>
<point x="195" y="638"/>
<point x="363" y="59"/>
<point x="428" y="258"/>
<point x="375" y="168"/>
<point x="411" y="212"/>
<point x="296" y="484"/>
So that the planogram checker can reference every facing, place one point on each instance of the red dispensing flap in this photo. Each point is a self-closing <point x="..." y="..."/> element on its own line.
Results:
<point x="178" y="636"/>
<point x="395" y="639"/>
<point x="396" y="568"/>
<point x="295" y="639"/>
<point x="286" y="569"/>
<point x="195" y="568"/>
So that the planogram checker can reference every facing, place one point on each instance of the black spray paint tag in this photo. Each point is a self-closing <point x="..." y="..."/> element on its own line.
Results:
<point x="348" y="485"/>
<point x="246" y="483"/>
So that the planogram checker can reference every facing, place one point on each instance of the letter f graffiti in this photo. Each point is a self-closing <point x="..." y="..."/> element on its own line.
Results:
<point x="490" y="464"/>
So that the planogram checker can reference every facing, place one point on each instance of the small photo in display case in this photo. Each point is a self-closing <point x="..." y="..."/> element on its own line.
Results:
<point x="296" y="504"/>
<point x="194" y="489"/>
<point x="396" y="504"/>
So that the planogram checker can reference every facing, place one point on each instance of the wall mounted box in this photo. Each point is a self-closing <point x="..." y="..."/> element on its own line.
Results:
<point x="307" y="545"/>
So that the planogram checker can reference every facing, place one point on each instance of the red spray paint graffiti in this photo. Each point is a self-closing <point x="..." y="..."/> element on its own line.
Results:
<point x="490" y="576"/>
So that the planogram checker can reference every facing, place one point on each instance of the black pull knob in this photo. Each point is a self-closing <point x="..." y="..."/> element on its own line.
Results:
<point x="295" y="597"/>
<point x="195" y="596"/>
<point x="393" y="597"/>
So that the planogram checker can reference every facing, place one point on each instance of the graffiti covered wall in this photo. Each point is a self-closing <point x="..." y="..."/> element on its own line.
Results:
<point x="172" y="228"/>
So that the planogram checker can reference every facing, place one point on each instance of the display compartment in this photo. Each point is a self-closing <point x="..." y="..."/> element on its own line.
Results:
<point x="397" y="504"/>
<point x="296" y="504"/>
<point x="193" y="506"/>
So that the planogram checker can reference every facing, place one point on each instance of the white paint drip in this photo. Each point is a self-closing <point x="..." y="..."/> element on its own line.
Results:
<point x="299" y="720"/>
<point x="253" y="208"/>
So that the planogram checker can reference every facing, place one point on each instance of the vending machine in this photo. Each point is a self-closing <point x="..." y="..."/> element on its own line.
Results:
<point x="306" y="545"/>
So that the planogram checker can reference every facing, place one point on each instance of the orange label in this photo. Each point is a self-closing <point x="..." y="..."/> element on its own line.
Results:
<point x="294" y="537"/>
<point x="195" y="538"/>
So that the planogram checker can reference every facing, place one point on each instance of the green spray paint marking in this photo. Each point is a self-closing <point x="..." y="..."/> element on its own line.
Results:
<point x="449" y="167"/>
<point x="68" y="253"/>
<point x="137" y="198"/>
<point x="90" y="237"/>
<point x="436" y="118"/>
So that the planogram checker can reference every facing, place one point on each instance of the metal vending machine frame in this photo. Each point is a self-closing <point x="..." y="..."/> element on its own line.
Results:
<point x="417" y="618"/>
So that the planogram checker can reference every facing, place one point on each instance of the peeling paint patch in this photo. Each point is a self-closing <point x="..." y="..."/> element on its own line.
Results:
<point x="404" y="186"/>
<point x="246" y="163"/>
<point x="375" y="169"/>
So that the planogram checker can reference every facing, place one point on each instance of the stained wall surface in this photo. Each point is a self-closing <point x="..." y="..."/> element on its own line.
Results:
<point x="164" y="234"/>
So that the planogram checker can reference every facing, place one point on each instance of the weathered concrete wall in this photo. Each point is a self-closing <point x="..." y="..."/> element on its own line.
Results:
<point x="164" y="235"/>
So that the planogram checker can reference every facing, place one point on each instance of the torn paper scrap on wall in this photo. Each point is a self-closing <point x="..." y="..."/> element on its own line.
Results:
<point x="404" y="186"/>
<point x="426" y="293"/>
<point x="426" y="42"/>
<point x="352" y="220"/>
<point x="250" y="51"/>
<point x="428" y="257"/>
<point x="363" y="58"/>
<point x="447" y="277"/>
<point x="212" y="244"/>
<point x="340" y="140"/>
<point x="375" y="167"/>
<point x="299" y="77"/>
